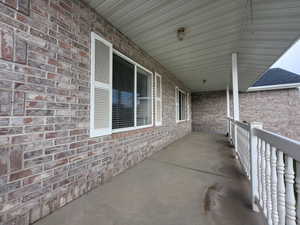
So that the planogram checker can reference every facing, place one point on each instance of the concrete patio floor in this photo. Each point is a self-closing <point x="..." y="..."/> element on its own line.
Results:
<point x="194" y="181"/>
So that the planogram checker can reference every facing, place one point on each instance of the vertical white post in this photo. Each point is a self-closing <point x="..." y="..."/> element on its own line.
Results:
<point x="274" y="181"/>
<point x="235" y="90"/>
<point x="290" y="198"/>
<point x="298" y="190"/>
<point x="228" y="112"/>
<point x="254" y="164"/>
<point x="268" y="184"/>
<point x="281" y="189"/>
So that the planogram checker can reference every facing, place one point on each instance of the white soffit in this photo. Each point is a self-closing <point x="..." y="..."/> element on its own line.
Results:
<point x="214" y="29"/>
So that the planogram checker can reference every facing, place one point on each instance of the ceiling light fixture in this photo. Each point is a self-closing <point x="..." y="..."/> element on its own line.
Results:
<point x="180" y="33"/>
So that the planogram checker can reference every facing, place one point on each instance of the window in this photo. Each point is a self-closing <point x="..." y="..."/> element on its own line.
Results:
<point x="188" y="112"/>
<point x="132" y="94"/>
<point x="101" y="86"/>
<point x="121" y="91"/>
<point x="158" y="100"/>
<point x="180" y="97"/>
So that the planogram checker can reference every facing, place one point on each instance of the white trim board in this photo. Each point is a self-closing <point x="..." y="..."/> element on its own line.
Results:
<point x="273" y="87"/>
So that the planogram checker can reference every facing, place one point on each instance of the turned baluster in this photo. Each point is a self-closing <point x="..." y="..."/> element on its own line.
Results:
<point x="281" y="189"/>
<point x="290" y="192"/>
<point x="274" y="186"/>
<point x="268" y="183"/>
<point x="298" y="190"/>
<point x="259" y="172"/>
<point x="263" y="170"/>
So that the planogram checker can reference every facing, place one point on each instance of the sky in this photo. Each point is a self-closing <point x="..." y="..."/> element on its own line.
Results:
<point x="290" y="60"/>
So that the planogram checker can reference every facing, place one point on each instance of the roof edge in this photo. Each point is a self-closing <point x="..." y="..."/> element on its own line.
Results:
<point x="273" y="87"/>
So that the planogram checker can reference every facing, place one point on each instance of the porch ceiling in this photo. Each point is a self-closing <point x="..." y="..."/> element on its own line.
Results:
<point x="215" y="29"/>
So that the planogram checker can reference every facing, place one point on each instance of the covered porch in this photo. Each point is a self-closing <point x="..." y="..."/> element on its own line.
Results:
<point x="195" y="180"/>
<point x="96" y="113"/>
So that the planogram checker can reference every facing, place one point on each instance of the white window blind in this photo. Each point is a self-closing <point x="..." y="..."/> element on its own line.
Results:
<point x="101" y="86"/>
<point x="158" y="100"/>
<point x="123" y="93"/>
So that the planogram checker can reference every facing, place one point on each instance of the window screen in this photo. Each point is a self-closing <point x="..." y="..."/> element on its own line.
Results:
<point x="144" y="98"/>
<point x="123" y="93"/>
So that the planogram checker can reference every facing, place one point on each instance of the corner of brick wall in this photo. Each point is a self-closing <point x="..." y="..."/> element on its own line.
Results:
<point x="278" y="110"/>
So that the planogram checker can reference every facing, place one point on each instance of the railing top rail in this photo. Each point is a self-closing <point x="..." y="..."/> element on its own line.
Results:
<point x="240" y="124"/>
<point x="243" y="125"/>
<point x="230" y="118"/>
<point x="286" y="145"/>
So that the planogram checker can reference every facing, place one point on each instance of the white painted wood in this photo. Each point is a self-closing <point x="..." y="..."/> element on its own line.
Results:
<point x="245" y="126"/>
<point x="235" y="90"/>
<point x="275" y="218"/>
<point x="254" y="155"/>
<point x="259" y="171"/>
<point x="228" y="109"/>
<point x="268" y="184"/>
<point x="290" y="192"/>
<point x="94" y="132"/>
<point x="273" y="87"/>
<point x="298" y="190"/>
<point x="158" y="99"/>
<point x="281" y="189"/>
<point x="263" y="173"/>
<point x="287" y="145"/>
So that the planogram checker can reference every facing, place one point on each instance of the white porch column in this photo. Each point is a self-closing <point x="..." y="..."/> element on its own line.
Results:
<point x="235" y="88"/>
<point x="235" y="91"/>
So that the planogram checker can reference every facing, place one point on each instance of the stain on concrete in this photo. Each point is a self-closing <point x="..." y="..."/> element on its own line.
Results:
<point x="210" y="198"/>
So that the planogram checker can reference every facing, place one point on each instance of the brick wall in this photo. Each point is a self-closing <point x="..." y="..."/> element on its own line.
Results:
<point x="209" y="112"/>
<point x="46" y="156"/>
<point x="279" y="110"/>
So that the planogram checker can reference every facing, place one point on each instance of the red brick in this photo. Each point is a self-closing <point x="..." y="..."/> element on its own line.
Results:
<point x="25" y="173"/>
<point x="4" y="158"/>
<point x="16" y="158"/>
<point x="20" y="51"/>
<point x="6" y="43"/>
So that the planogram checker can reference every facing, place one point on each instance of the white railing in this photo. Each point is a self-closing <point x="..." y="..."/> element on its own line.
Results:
<point x="272" y="163"/>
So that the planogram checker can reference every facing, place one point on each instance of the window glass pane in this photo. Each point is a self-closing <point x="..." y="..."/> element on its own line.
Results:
<point x="123" y="93"/>
<point x="144" y="98"/>
<point x="102" y="56"/>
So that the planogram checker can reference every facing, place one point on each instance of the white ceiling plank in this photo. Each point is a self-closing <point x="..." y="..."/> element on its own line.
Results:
<point x="215" y="29"/>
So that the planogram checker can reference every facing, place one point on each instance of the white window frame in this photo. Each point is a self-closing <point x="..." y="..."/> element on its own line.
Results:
<point x="158" y="100"/>
<point x="136" y="65"/>
<point x="94" y="84"/>
<point x="177" y="90"/>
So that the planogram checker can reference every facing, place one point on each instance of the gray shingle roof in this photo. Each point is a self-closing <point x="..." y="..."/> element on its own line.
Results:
<point x="276" y="76"/>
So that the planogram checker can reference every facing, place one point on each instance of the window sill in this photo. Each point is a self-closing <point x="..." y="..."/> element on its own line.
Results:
<point x="180" y="121"/>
